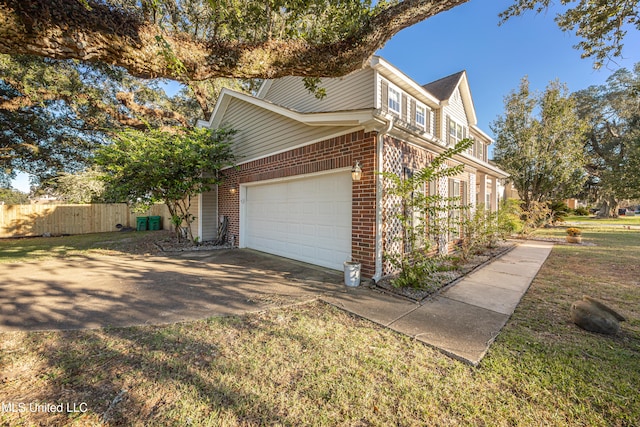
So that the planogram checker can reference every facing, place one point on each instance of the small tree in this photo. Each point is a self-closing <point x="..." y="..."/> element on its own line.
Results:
<point x="539" y="142"/>
<point x="509" y="217"/>
<point x="143" y="168"/>
<point x="421" y="217"/>
<point x="479" y="231"/>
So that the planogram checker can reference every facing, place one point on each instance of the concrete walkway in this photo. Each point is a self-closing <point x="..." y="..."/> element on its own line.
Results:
<point x="463" y="320"/>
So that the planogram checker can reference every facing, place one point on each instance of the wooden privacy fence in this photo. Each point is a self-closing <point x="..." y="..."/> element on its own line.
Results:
<point x="36" y="220"/>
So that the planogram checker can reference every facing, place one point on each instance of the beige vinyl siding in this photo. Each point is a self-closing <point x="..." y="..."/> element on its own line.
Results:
<point x="352" y="92"/>
<point x="456" y="110"/>
<point x="193" y="209"/>
<point x="262" y="132"/>
<point x="209" y="215"/>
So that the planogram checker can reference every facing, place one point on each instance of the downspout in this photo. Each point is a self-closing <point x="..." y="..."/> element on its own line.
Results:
<point x="379" y="195"/>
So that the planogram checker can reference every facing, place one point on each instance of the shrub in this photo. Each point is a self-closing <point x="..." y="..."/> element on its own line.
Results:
<point x="581" y="211"/>
<point x="537" y="216"/>
<point x="509" y="217"/>
<point x="415" y="271"/>
<point x="559" y="211"/>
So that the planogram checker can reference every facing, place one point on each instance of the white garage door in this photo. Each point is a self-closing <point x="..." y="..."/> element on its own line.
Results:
<point x="307" y="219"/>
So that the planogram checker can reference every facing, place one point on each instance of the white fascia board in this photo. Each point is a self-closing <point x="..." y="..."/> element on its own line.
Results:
<point x="389" y="72"/>
<point x="483" y="166"/>
<point x="337" y="118"/>
<point x="467" y="99"/>
<point x="483" y="134"/>
<point x="264" y="88"/>
<point x="218" y="110"/>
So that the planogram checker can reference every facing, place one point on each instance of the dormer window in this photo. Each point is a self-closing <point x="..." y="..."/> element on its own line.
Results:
<point x="394" y="100"/>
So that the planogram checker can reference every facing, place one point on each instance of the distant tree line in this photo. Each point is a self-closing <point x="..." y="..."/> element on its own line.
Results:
<point x="558" y="145"/>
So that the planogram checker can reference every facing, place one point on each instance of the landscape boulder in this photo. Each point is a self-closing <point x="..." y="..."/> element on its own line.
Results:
<point x="592" y="315"/>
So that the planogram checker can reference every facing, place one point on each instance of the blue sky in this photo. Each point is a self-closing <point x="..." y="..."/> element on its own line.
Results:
<point x="496" y="58"/>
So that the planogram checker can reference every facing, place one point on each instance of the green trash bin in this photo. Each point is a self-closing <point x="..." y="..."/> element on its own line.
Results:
<point x="142" y="223"/>
<point x="155" y="223"/>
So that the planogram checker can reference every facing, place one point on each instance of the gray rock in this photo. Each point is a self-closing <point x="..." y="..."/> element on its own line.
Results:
<point x="592" y="315"/>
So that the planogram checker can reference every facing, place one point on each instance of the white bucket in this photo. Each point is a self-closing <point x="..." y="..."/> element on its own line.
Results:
<point x="352" y="273"/>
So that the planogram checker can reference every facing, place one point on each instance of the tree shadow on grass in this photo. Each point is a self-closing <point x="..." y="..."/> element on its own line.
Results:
<point x="136" y="376"/>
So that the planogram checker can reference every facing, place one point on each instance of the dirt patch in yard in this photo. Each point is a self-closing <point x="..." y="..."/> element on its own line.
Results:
<point x="156" y="243"/>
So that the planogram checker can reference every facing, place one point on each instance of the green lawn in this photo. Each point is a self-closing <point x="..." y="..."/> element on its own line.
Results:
<point x="623" y="220"/>
<point x="316" y="365"/>
<point x="30" y="248"/>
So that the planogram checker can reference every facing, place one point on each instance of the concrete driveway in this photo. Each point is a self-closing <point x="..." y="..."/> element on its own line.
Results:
<point x="102" y="291"/>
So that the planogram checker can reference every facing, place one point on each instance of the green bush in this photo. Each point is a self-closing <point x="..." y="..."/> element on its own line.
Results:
<point x="415" y="270"/>
<point x="559" y="211"/>
<point x="581" y="211"/>
<point x="509" y="217"/>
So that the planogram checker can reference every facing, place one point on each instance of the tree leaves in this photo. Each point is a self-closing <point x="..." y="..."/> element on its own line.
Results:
<point x="613" y="141"/>
<point x="143" y="168"/>
<point x="539" y="142"/>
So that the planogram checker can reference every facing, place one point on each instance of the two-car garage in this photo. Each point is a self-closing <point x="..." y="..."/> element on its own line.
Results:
<point x="305" y="218"/>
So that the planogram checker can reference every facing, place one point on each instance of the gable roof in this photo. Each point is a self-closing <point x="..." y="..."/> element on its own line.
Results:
<point x="443" y="88"/>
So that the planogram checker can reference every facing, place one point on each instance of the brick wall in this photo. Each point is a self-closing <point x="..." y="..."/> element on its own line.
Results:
<point x="334" y="153"/>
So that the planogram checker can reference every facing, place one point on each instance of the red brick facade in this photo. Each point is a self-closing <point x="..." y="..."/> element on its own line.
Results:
<point x="335" y="153"/>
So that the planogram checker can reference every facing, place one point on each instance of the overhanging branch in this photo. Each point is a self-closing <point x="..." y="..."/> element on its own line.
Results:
<point x="65" y="29"/>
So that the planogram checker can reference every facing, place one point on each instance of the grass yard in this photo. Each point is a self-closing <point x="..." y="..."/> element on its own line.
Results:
<point x="30" y="248"/>
<point x="592" y="220"/>
<point x="316" y="365"/>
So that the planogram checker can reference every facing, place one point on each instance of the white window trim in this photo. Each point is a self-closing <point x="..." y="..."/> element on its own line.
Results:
<point x="459" y="127"/>
<point x="391" y="88"/>
<point x="425" y="111"/>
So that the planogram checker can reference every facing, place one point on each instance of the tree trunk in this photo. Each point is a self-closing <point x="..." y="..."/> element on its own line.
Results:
<point x="608" y="207"/>
<point x="68" y="29"/>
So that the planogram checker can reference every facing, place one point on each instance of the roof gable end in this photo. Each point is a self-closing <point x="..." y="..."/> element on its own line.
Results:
<point x="445" y="87"/>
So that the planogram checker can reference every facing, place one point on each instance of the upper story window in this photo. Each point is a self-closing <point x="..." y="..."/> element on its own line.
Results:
<point x="456" y="132"/>
<point x="421" y="116"/>
<point x="478" y="150"/>
<point x="394" y="100"/>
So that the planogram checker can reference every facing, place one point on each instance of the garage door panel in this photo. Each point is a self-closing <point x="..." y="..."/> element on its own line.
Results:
<point x="308" y="219"/>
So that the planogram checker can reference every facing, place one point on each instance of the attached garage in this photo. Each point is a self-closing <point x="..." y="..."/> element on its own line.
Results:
<point x="305" y="218"/>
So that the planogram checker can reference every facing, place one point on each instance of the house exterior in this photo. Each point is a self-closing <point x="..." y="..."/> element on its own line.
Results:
<point x="292" y="193"/>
